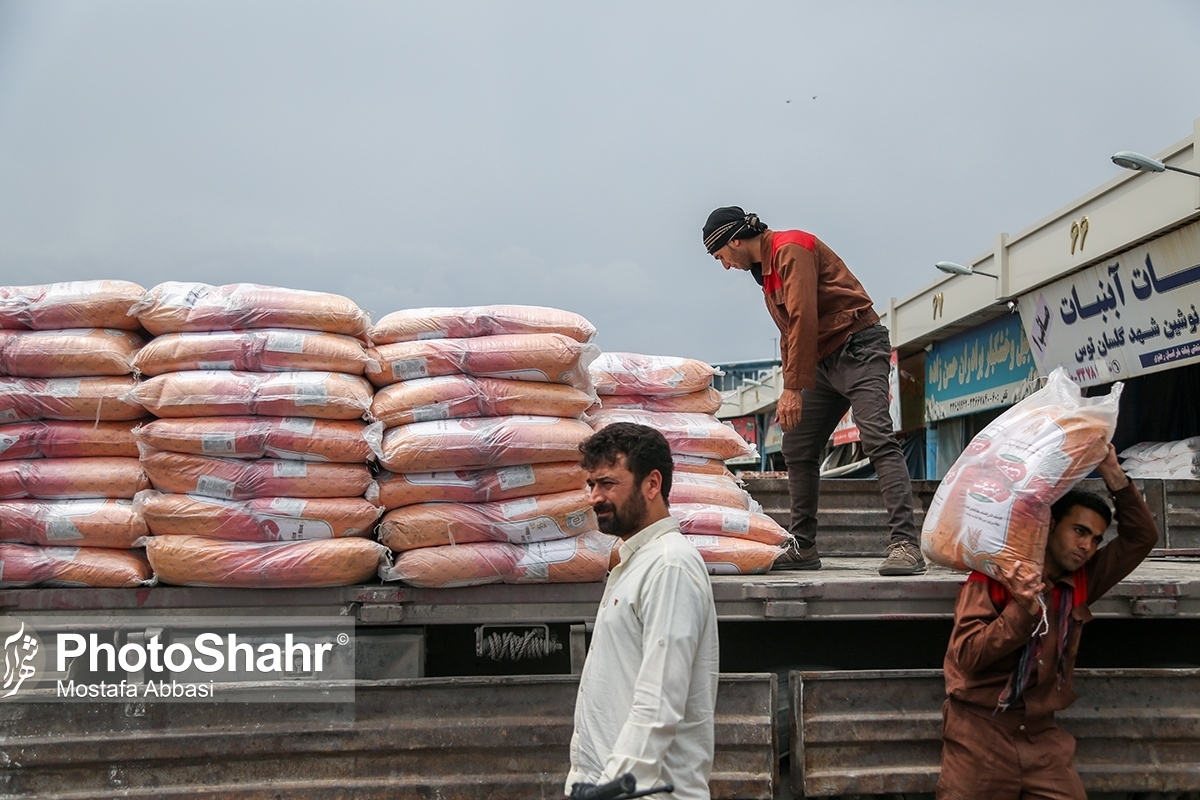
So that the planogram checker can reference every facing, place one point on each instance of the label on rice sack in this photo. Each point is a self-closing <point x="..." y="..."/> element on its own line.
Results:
<point x="77" y="523"/>
<point x="705" y="401"/>
<point x="528" y="519"/>
<point x="692" y="434"/>
<point x="67" y="439"/>
<point x="23" y="566"/>
<point x="204" y="393"/>
<point x="74" y="353"/>
<point x="73" y="304"/>
<point x="715" y="490"/>
<point x="634" y="373"/>
<point x="458" y="396"/>
<point x="478" y="486"/>
<point x="417" y="324"/>
<point x="296" y="438"/>
<point x="263" y="519"/>
<point x="270" y="350"/>
<point x="72" y="478"/>
<point x="177" y="307"/>
<point x="92" y="399"/>
<point x="727" y="555"/>
<point x="709" y="520"/>
<point x="244" y="479"/>
<point x="203" y="561"/>
<point x="479" y="443"/>
<point x="993" y="506"/>
<point x="540" y="357"/>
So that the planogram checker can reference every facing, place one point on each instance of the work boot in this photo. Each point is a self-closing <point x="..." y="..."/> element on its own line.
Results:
<point x="903" y="558"/>
<point x="796" y="557"/>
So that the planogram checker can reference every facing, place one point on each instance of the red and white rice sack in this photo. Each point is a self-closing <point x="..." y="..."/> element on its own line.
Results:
<point x="204" y="393"/>
<point x="67" y="439"/>
<point x="75" y="523"/>
<point x="106" y="398"/>
<point x="700" y="465"/>
<point x="201" y="561"/>
<point x="74" y="304"/>
<point x="457" y="396"/>
<point x="24" y="566"/>
<point x="705" y="401"/>
<point x="245" y="479"/>
<point x="715" y="490"/>
<point x="296" y="438"/>
<point x="73" y="353"/>
<point x="708" y="520"/>
<point x="70" y="479"/>
<point x="726" y="555"/>
<point x="478" y="486"/>
<point x="267" y="519"/>
<point x="413" y="324"/>
<point x="480" y="443"/>
<point x="691" y="434"/>
<point x="636" y="374"/>
<point x="268" y="350"/>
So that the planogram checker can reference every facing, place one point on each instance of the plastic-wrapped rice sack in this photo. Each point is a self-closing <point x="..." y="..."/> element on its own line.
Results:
<point x="205" y="393"/>
<point x="527" y="519"/>
<point x="726" y="555"/>
<point x="479" y="443"/>
<point x="73" y="523"/>
<point x="67" y="439"/>
<point x="581" y="559"/>
<point x="71" y="478"/>
<point x="270" y="350"/>
<point x="74" y="353"/>
<point x="295" y="438"/>
<point x="245" y="479"/>
<point x="542" y="357"/>
<point x="709" y="520"/>
<point x="74" y="304"/>
<point x="264" y="519"/>
<point x="715" y="490"/>
<point x="633" y="373"/>
<point x="24" y="566"/>
<point x="705" y="401"/>
<point x="699" y="465"/>
<point x="479" y="486"/>
<point x="413" y="324"/>
<point x="458" y="396"/>
<point x="178" y="307"/>
<point x="693" y="434"/>
<point x="201" y="561"/>
<point x="105" y="399"/>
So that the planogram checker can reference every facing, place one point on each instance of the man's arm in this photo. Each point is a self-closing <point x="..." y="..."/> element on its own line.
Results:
<point x="981" y="636"/>
<point x="673" y="610"/>
<point x="797" y="270"/>
<point x="1136" y="532"/>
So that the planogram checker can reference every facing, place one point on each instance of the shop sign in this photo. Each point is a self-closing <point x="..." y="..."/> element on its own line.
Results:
<point x="988" y="367"/>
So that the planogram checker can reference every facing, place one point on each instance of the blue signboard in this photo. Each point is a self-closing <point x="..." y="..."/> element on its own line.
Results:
<point x="987" y="367"/>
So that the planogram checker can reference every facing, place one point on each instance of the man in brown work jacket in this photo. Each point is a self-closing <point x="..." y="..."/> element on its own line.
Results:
<point x="1010" y="665"/>
<point x="836" y="355"/>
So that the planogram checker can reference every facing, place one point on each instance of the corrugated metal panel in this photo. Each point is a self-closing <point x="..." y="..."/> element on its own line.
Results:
<point x="495" y="738"/>
<point x="876" y="732"/>
<point x="1182" y="512"/>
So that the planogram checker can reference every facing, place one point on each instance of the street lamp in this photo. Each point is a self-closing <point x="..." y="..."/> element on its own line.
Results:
<point x="1140" y="163"/>
<point x="959" y="269"/>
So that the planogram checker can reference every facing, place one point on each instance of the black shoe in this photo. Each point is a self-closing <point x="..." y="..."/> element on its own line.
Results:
<point x="795" y="557"/>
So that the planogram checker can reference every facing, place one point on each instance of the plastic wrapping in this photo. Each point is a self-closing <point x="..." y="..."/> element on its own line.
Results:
<point x="264" y="519"/>
<point x="527" y="519"/>
<point x="479" y="486"/>
<point x="581" y="559"/>
<point x="690" y="434"/>
<point x="71" y="478"/>
<point x="205" y="393"/>
<point x="269" y="350"/>
<point x="458" y="396"/>
<point x="633" y="373"/>
<point x="709" y="520"/>
<point x="715" y="490"/>
<point x="993" y="506"/>
<point x="699" y="465"/>
<point x="23" y="566"/>
<point x="72" y="523"/>
<point x="245" y="479"/>
<point x="104" y="399"/>
<point x="480" y="443"/>
<point x="705" y="401"/>
<point x="296" y="438"/>
<point x="74" y="304"/>
<point x="413" y="324"/>
<point x="67" y="439"/>
<point x="200" y="561"/>
<point x="178" y="307"/>
<point x="74" y="353"/>
<point x="727" y="555"/>
<point x="543" y="357"/>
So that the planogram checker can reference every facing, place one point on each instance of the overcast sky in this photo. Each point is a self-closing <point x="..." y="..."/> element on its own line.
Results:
<point x="447" y="153"/>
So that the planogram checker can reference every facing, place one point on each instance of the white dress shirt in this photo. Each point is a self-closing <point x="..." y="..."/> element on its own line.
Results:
<point x="649" y="684"/>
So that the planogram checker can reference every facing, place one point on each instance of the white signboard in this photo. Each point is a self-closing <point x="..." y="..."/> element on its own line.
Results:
<point x="1131" y="315"/>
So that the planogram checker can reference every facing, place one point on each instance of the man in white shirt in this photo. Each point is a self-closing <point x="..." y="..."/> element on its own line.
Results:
<point x="649" y="685"/>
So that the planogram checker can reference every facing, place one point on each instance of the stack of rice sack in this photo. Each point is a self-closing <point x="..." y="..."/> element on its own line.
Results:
<point x="259" y="459"/>
<point x="1179" y="460"/>
<point x="68" y="460"/>
<point x="675" y="396"/>
<point x="480" y="409"/>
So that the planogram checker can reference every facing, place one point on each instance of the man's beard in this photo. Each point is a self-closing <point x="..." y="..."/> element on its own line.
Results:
<point x="625" y="520"/>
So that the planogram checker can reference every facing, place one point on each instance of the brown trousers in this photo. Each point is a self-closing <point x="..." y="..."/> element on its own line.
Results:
<point x="985" y="759"/>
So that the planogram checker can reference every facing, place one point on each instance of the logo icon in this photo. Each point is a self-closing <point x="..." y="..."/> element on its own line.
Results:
<point x="23" y="657"/>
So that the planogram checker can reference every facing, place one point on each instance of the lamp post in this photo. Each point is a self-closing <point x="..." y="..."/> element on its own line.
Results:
<point x="960" y="269"/>
<point x="1140" y="163"/>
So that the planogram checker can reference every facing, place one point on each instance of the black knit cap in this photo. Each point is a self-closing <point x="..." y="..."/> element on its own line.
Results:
<point x="730" y="222"/>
